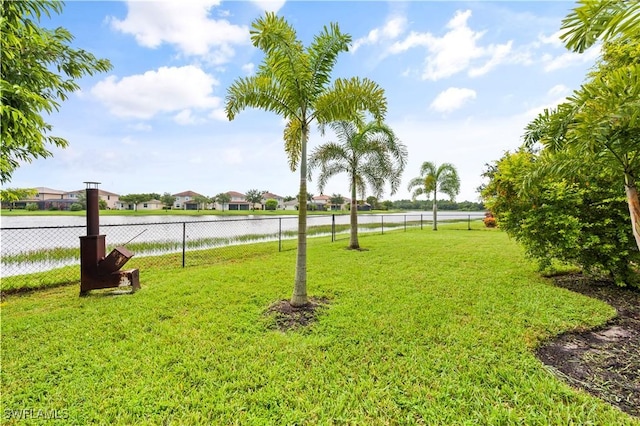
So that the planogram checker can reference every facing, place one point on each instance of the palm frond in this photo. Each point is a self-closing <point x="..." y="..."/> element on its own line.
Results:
<point x="600" y="19"/>
<point x="347" y="99"/>
<point x="293" y="142"/>
<point x="323" y="53"/>
<point x="256" y="92"/>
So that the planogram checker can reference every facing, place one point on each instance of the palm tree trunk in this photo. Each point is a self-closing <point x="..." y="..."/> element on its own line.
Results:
<point x="435" y="212"/>
<point x="299" y="297"/>
<point x="634" y="205"/>
<point x="353" y="239"/>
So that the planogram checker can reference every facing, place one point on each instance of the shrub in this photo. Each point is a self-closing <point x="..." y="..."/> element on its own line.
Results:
<point x="75" y="207"/>
<point x="53" y="208"/>
<point x="32" y="207"/>
<point x="271" y="204"/>
<point x="489" y="220"/>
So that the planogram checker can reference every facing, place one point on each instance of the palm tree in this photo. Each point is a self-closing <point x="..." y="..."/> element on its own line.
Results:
<point x="369" y="154"/>
<point x="600" y="19"/>
<point x="222" y="198"/>
<point x="434" y="180"/>
<point x="295" y="83"/>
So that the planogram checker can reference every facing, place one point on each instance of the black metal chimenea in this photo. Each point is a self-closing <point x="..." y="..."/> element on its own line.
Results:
<point x="96" y="270"/>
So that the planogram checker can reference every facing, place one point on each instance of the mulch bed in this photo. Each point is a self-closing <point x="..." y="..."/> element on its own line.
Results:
<point x="604" y="361"/>
<point x="288" y="317"/>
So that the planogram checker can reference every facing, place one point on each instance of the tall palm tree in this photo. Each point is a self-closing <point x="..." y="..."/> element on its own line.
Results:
<point x="369" y="154"/>
<point x="295" y="83"/>
<point x="434" y="180"/>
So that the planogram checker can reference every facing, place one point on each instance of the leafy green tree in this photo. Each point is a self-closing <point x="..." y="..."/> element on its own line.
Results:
<point x="39" y="70"/>
<point x="295" y="83"/>
<point x="373" y="201"/>
<point x="369" y="154"/>
<point x="11" y="195"/>
<point x="254" y="197"/>
<point x="433" y="180"/>
<point x="387" y="205"/>
<point x="167" y="200"/>
<point x="202" y="201"/>
<point x="577" y="219"/>
<point x="223" y="198"/>
<point x="600" y="19"/>
<point x="599" y="121"/>
<point x="271" y="204"/>
<point x="288" y="198"/>
<point x="102" y="204"/>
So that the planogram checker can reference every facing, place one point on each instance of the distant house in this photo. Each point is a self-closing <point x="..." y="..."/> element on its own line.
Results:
<point x="271" y="196"/>
<point x="237" y="202"/>
<point x="48" y="194"/>
<point x="112" y="199"/>
<point x="47" y="199"/>
<point x="150" y="205"/>
<point x="291" y="205"/>
<point x="186" y="200"/>
<point x="320" y="202"/>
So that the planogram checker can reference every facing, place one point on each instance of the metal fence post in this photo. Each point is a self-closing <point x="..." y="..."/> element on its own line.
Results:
<point x="184" y="242"/>
<point x="469" y="223"/>
<point x="382" y="223"/>
<point x="279" y="234"/>
<point x="405" y="223"/>
<point x="333" y="228"/>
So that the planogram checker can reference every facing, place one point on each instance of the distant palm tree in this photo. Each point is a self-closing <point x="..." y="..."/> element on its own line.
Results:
<point x="222" y="198"/>
<point x="434" y="180"/>
<point x="369" y="154"/>
<point x="295" y="82"/>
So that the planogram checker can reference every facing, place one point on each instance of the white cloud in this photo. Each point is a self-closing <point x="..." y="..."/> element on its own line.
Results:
<point x="569" y="59"/>
<point x="455" y="51"/>
<point x="553" y="39"/>
<point x="249" y="68"/>
<point x="451" y="99"/>
<point x="186" y="25"/>
<point x="392" y="29"/>
<point x="140" y="127"/>
<point x="558" y="89"/>
<point x="168" y="89"/>
<point x="219" y="114"/>
<point x="184" y="117"/>
<point x="269" y="5"/>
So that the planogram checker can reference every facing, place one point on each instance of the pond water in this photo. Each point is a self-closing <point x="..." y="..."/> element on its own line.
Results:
<point x="25" y="235"/>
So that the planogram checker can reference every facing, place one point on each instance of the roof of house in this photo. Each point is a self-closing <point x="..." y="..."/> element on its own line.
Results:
<point x="187" y="194"/>
<point x="100" y="192"/>
<point x="321" y="198"/>
<point x="44" y="190"/>
<point x="235" y="194"/>
<point x="270" y="195"/>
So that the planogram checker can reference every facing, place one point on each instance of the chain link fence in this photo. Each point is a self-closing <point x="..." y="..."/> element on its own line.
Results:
<point x="38" y="257"/>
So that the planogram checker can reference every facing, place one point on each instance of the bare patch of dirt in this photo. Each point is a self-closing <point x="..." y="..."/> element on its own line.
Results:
<point x="604" y="361"/>
<point x="289" y="317"/>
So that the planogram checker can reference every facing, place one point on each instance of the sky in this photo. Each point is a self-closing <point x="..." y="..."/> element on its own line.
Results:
<point x="462" y="80"/>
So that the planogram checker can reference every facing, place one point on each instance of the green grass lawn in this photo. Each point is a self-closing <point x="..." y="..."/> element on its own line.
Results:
<point x="425" y="327"/>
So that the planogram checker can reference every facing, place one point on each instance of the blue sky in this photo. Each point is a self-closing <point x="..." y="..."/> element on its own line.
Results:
<point x="462" y="80"/>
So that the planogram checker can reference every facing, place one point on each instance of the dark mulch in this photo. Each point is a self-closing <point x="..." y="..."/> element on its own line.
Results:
<point x="604" y="361"/>
<point x="288" y="317"/>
